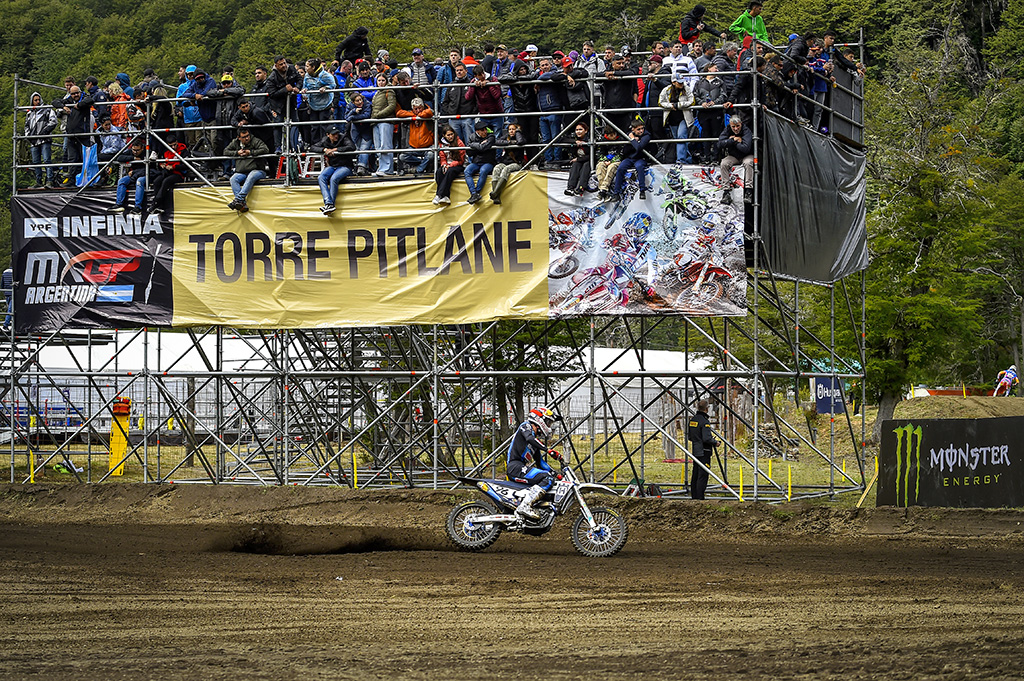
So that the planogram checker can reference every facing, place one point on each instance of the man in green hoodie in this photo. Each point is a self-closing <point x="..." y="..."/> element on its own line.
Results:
<point x="750" y="23"/>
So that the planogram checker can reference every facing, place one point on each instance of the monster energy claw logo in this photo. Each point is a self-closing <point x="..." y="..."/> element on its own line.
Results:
<point x="907" y="458"/>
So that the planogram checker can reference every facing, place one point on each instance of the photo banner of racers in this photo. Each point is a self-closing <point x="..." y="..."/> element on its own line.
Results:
<point x="387" y="256"/>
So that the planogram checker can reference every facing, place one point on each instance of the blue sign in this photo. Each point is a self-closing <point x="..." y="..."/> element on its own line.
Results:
<point x="828" y="395"/>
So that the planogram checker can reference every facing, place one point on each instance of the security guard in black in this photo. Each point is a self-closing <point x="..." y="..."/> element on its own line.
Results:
<point x="702" y="444"/>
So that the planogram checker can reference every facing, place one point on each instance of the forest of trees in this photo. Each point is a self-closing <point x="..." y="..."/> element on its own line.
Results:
<point x="945" y="132"/>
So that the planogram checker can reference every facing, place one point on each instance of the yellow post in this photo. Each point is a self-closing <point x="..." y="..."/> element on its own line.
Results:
<point x="741" y="483"/>
<point x="355" y="471"/>
<point x="615" y="476"/>
<point x="31" y="465"/>
<point x="789" y="494"/>
<point x="682" y="473"/>
<point x="965" y="390"/>
<point x="170" y="423"/>
<point x="844" y="466"/>
<point x="876" y="465"/>
<point x="119" y="435"/>
<point x="769" y="469"/>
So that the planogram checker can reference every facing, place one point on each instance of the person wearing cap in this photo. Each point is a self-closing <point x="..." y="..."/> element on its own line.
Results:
<point x="634" y="155"/>
<point x="750" y="23"/>
<point x="186" y="110"/>
<point x="337" y="165"/>
<point x="702" y="446"/>
<point x="250" y="154"/>
<point x="676" y="100"/>
<point x="501" y="65"/>
<point x="354" y="46"/>
<point x="693" y="24"/>
<point x="481" y="157"/>
<point x="316" y="90"/>
<point x="420" y="72"/>
<point x="75" y="108"/>
<point x="226" y="97"/>
<point x="574" y="80"/>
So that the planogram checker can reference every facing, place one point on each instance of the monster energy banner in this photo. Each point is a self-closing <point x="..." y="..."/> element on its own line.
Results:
<point x="952" y="462"/>
<point x="389" y="255"/>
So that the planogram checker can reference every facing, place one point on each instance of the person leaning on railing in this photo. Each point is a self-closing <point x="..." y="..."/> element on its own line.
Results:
<point x="40" y="121"/>
<point x="384" y="105"/>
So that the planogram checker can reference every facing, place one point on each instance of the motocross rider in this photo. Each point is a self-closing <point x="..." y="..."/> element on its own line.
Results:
<point x="1006" y="379"/>
<point x="526" y="461"/>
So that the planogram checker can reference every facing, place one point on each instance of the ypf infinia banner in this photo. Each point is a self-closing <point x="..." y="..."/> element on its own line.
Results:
<point x="387" y="256"/>
<point x="952" y="462"/>
<point x="77" y="265"/>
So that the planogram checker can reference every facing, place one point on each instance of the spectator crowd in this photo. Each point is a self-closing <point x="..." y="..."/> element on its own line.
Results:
<point x="469" y="115"/>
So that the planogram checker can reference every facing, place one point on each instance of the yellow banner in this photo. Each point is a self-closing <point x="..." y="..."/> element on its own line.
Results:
<point x="386" y="256"/>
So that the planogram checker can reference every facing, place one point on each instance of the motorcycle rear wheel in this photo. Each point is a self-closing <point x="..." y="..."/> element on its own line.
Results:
<point x="563" y="268"/>
<point x="467" y="535"/>
<point x="603" y="541"/>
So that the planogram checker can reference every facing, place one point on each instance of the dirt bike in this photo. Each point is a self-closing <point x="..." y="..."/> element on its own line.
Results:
<point x="596" y="533"/>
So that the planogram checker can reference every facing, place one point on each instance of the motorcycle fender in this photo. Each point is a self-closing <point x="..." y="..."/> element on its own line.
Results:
<point x="594" y="487"/>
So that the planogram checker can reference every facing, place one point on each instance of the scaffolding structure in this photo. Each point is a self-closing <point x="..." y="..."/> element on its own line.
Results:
<point x="419" y="405"/>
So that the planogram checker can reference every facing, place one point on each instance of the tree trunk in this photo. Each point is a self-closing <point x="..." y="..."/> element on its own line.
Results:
<point x="886" y="407"/>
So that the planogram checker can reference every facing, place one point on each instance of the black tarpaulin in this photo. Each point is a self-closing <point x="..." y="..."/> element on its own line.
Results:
<point x="813" y="211"/>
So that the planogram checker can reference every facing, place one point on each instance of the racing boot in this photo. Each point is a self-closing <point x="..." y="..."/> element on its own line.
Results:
<point x="525" y="507"/>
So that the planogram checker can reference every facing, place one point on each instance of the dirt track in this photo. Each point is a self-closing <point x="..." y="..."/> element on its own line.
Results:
<point x="134" y="582"/>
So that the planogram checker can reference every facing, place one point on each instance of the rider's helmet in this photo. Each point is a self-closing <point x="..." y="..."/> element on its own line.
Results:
<point x="542" y="417"/>
<point x="709" y="222"/>
<point x="638" y="226"/>
<point x="1013" y="368"/>
<point x="675" y="178"/>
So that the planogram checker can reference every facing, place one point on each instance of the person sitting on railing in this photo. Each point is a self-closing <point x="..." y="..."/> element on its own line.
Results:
<point x="171" y="173"/>
<point x="693" y="25"/>
<point x="456" y="103"/>
<point x="136" y="176"/>
<point x="736" y="143"/>
<point x="579" y="171"/>
<point x="76" y="108"/>
<point x="750" y="23"/>
<point x="609" y="158"/>
<point x="481" y="157"/>
<point x="677" y="99"/>
<point x="634" y="155"/>
<point x="709" y="92"/>
<point x="283" y="85"/>
<point x="250" y="166"/>
<point x="384" y="105"/>
<point x="337" y="165"/>
<point x="512" y="159"/>
<point x="257" y="120"/>
<point x="450" y="164"/>
<point x="361" y="131"/>
<point x="421" y="135"/>
<point x="316" y="86"/>
<point x="486" y="92"/>
<point x="40" y="120"/>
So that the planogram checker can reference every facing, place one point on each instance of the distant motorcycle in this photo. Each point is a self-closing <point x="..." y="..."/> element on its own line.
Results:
<point x="595" y="533"/>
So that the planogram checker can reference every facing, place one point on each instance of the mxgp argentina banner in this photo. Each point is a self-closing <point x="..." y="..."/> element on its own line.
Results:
<point x="388" y="255"/>
<point x="77" y="265"/>
<point x="952" y="462"/>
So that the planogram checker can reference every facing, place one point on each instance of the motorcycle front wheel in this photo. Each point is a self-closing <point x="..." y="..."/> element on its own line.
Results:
<point x="465" y="533"/>
<point x="605" y="539"/>
<point x="564" y="267"/>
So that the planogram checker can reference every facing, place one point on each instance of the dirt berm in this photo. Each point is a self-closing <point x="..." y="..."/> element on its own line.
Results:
<point x="146" y="582"/>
